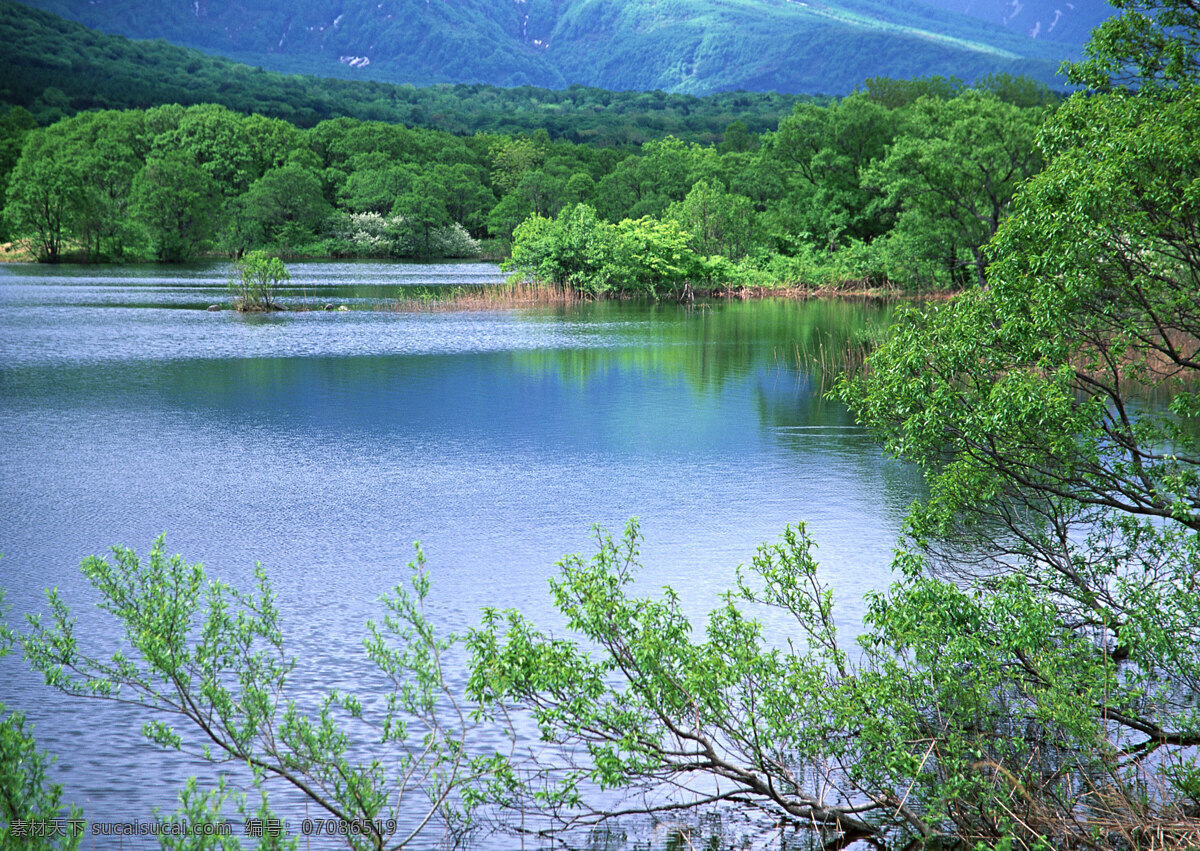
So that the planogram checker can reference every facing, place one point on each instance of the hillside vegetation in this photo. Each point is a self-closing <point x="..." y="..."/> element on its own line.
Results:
<point x="697" y="46"/>
<point x="55" y="68"/>
<point x="903" y="182"/>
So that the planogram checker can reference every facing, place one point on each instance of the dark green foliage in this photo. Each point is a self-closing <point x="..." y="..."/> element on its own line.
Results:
<point x="177" y="203"/>
<point x="697" y="47"/>
<point x="54" y="68"/>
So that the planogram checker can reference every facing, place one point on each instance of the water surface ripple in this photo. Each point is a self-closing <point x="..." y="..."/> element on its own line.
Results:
<point x="323" y="444"/>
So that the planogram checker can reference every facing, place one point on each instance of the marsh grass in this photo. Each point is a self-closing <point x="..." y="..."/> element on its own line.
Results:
<point x="486" y="297"/>
<point x="830" y="357"/>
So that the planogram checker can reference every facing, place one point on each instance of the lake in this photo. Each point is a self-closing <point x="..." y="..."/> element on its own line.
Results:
<point x="323" y="444"/>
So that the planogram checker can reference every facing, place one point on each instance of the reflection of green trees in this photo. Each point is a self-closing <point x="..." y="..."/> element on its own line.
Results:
<point x="708" y="345"/>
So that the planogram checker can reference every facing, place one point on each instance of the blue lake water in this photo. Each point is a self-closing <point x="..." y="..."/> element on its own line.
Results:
<point x="323" y="444"/>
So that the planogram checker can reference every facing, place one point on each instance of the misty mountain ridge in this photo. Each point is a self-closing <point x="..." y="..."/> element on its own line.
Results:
<point x="689" y="46"/>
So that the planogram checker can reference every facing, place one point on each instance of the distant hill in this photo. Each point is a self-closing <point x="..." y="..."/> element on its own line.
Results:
<point x="690" y="46"/>
<point x="1066" y="21"/>
<point x="55" y="67"/>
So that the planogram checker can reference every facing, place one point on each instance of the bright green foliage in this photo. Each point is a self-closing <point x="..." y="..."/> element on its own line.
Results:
<point x="961" y="714"/>
<point x="210" y="806"/>
<point x="1055" y="416"/>
<point x="1030" y="680"/>
<point x="719" y="222"/>
<point x="174" y="182"/>
<point x="233" y="150"/>
<point x="646" y="185"/>
<point x="26" y="795"/>
<point x="1150" y="44"/>
<point x="512" y="159"/>
<point x="72" y="185"/>
<point x="256" y="280"/>
<point x="574" y="249"/>
<point x="44" y="194"/>
<point x="15" y="124"/>
<point x="375" y="189"/>
<point x="951" y="175"/>
<point x="651" y="257"/>
<point x="206" y="656"/>
<point x="286" y="205"/>
<point x="822" y="154"/>
<point x="579" y="250"/>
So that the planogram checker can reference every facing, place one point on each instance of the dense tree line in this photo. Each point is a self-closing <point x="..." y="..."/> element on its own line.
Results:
<point x="902" y="182"/>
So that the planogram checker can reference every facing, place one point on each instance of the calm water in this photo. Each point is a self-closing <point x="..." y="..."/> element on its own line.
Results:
<point x="322" y="444"/>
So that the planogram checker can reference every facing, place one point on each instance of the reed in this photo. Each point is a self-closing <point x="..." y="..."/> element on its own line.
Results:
<point x="486" y="297"/>
<point x="830" y="358"/>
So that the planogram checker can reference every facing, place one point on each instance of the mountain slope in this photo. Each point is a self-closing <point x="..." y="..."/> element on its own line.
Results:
<point x="55" y="67"/>
<point x="693" y="46"/>
<point x="1066" y="21"/>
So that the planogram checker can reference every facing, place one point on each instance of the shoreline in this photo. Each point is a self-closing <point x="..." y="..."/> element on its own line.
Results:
<point x="528" y="294"/>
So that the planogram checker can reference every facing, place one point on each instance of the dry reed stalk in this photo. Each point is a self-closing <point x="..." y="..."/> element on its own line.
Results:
<point x="1145" y="365"/>
<point x="486" y="297"/>
<point x="1117" y="810"/>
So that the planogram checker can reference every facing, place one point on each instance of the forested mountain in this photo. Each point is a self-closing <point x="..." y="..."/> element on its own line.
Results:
<point x="692" y="46"/>
<point x="54" y="68"/>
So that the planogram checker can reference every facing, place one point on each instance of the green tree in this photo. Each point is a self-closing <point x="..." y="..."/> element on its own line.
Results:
<point x="822" y="154"/>
<point x="26" y="794"/>
<point x="952" y="174"/>
<point x="256" y="280"/>
<point x="718" y="222"/>
<point x="15" y="125"/>
<point x="220" y="143"/>
<point x="43" y="194"/>
<point x="177" y="204"/>
<point x="1152" y="43"/>
<point x="1029" y="680"/>
<point x="422" y="212"/>
<point x="651" y="257"/>
<point x="575" y="249"/>
<point x="512" y="159"/>
<point x="1057" y="418"/>
<point x="107" y="150"/>
<point x="204" y="655"/>
<point x="466" y="198"/>
<point x="374" y="188"/>
<point x="286" y="204"/>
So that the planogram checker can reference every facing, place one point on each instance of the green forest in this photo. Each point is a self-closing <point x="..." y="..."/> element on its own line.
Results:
<point x="694" y="47"/>
<point x="55" y="68"/>
<point x="901" y="184"/>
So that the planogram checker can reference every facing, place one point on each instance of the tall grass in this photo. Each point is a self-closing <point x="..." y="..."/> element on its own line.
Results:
<point x="831" y="357"/>
<point x="486" y="297"/>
